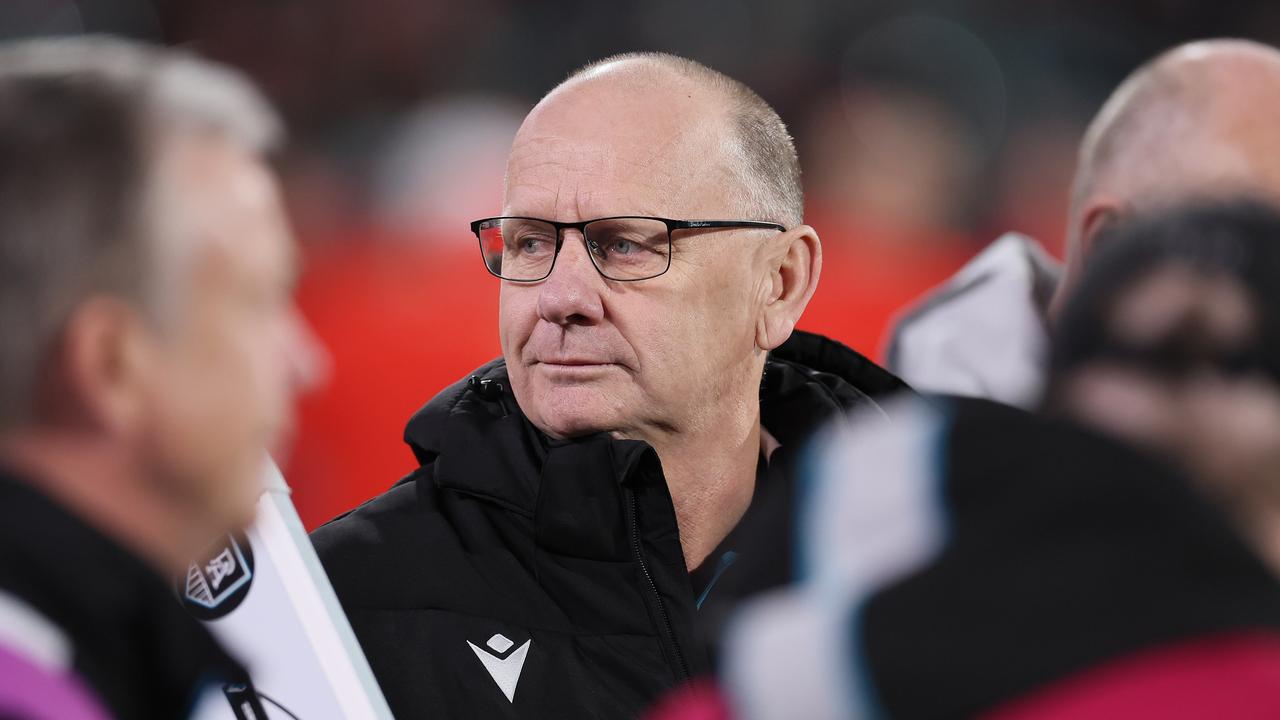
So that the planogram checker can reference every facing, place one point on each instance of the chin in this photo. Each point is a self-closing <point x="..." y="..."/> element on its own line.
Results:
<point x="568" y="412"/>
<point x="239" y="492"/>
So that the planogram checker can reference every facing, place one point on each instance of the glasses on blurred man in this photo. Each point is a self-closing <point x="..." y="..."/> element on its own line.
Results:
<point x="624" y="248"/>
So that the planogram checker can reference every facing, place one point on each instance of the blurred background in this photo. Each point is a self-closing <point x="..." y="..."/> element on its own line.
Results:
<point x="925" y="130"/>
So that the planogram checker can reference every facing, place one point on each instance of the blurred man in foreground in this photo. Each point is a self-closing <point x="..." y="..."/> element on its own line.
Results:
<point x="1174" y="346"/>
<point x="150" y="357"/>
<point x="1107" y="558"/>
<point x="574" y="515"/>
<point x="1193" y="122"/>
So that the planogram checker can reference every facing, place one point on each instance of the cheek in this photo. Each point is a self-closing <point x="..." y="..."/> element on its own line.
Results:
<point x="1233" y="430"/>
<point x="224" y="389"/>
<point x="517" y="316"/>
<point x="199" y="436"/>
<point x="709" y="327"/>
<point x="681" y="340"/>
<point x="238" y="358"/>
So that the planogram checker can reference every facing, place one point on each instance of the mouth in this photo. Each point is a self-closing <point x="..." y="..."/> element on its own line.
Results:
<point x="575" y="367"/>
<point x="574" y="362"/>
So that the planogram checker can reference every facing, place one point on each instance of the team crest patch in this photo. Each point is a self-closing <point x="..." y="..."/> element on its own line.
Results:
<point x="218" y="582"/>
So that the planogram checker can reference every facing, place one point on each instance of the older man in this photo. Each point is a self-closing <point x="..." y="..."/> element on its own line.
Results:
<point x="1193" y="122"/>
<point x="577" y="499"/>
<point x="150" y="357"/>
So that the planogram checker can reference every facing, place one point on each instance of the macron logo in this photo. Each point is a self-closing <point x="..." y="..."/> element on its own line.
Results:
<point x="504" y="671"/>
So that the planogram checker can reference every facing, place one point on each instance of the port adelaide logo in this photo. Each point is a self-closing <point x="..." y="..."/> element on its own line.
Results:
<point x="218" y="582"/>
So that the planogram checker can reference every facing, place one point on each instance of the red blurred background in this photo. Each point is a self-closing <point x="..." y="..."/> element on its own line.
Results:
<point x="925" y="128"/>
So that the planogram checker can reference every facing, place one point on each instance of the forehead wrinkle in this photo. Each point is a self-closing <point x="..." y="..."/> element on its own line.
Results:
<point x="674" y="172"/>
<point x="646" y="182"/>
<point x="532" y="165"/>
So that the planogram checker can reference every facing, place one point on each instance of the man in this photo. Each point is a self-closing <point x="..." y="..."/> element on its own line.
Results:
<point x="1174" y="346"/>
<point x="1191" y="122"/>
<point x="150" y="357"/>
<point x="577" y="498"/>
<point x="1114" y="556"/>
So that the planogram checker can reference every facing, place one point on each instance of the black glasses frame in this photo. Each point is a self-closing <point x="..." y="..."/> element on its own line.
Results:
<point x="581" y="227"/>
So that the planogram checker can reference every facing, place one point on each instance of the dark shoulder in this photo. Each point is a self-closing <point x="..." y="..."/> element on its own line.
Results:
<point x="362" y="524"/>
<point x="362" y="549"/>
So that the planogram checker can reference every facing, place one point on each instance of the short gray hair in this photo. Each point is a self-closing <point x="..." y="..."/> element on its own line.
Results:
<point x="1151" y="111"/>
<point x="767" y="162"/>
<point x="80" y="122"/>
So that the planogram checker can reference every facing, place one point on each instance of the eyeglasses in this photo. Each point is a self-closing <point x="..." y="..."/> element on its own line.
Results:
<point x="626" y="248"/>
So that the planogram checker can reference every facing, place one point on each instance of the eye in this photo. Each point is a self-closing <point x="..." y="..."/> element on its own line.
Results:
<point x="629" y="248"/>
<point x="616" y="247"/>
<point x="534" y="244"/>
<point x="611" y="247"/>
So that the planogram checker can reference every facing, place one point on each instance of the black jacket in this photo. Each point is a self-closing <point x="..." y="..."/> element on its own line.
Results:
<point x="1023" y="567"/>
<point x="133" y="645"/>
<point x="551" y="567"/>
<point x="1065" y="549"/>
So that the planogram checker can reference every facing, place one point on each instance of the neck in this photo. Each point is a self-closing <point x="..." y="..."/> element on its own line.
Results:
<point x="94" y="480"/>
<point x="711" y="475"/>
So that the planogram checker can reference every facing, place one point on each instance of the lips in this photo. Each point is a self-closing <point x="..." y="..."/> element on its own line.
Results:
<point x="575" y="369"/>
<point x="574" y="362"/>
<point x="574" y="351"/>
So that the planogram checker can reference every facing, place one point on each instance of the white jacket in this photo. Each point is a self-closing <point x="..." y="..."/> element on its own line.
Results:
<point x="983" y="332"/>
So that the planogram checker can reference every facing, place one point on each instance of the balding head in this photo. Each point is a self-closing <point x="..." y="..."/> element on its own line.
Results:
<point x="744" y="137"/>
<point x="1196" y="121"/>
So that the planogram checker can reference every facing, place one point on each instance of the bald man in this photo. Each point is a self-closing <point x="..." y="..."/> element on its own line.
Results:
<point x="1198" y="121"/>
<point x="580" y="502"/>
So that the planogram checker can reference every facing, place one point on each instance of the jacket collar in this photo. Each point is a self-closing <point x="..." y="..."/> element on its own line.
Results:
<point x="482" y="443"/>
<point x="133" y="640"/>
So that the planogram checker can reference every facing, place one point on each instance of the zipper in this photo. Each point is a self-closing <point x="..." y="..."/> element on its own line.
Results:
<point x="653" y="586"/>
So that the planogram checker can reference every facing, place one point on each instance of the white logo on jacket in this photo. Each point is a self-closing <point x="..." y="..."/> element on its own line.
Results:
<point x="504" y="671"/>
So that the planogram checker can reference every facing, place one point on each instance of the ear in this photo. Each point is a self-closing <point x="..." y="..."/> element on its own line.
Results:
<point x="1099" y="216"/>
<point x="106" y="358"/>
<point x="793" y="278"/>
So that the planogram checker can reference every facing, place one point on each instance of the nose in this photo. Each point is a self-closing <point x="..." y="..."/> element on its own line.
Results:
<point x="571" y="295"/>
